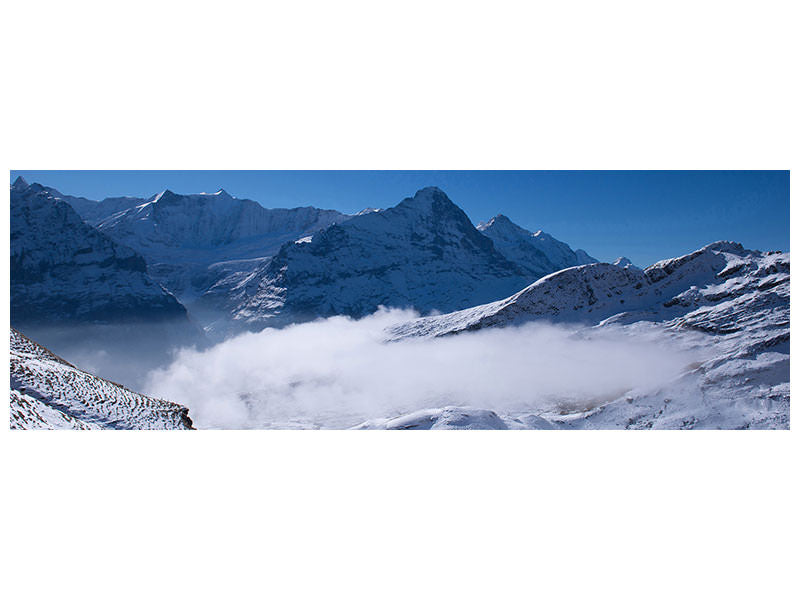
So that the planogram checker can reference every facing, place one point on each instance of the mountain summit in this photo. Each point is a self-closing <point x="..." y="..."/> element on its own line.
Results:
<point x="539" y="253"/>
<point x="19" y="184"/>
<point x="423" y="253"/>
<point x="64" y="271"/>
<point x="182" y="236"/>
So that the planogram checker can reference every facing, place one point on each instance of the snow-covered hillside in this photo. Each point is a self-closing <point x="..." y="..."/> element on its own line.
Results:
<point x="449" y="417"/>
<point x="423" y="253"/>
<point x="189" y="240"/>
<point x="65" y="271"/>
<point x="49" y="393"/>
<point x="737" y="299"/>
<point x="538" y="252"/>
<point x="680" y="287"/>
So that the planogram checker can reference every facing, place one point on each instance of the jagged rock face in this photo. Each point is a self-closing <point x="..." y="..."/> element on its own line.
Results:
<point x="49" y="393"/>
<point x="184" y="238"/>
<point x="65" y="271"/>
<point x="423" y="253"/>
<point x="685" y="287"/>
<point x="538" y="252"/>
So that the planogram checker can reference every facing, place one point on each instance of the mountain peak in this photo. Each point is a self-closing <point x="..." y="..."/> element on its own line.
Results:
<point x="166" y="194"/>
<point x="19" y="184"/>
<point x="426" y="198"/>
<point x="433" y="203"/>
<point x="538" y="252"/>
<point x="726" y="246"/>
<point x="623" y="261"/>
<point x="169" y="194"/>
<point x="430" y="192"/>
<point x="500" y="222"/>
<point x="367" y="211"/>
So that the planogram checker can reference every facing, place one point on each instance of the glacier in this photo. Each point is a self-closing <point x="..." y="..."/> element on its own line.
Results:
<point x="190" y="241"/>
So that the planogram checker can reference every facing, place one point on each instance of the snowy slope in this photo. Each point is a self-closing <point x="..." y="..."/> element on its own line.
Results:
<point x="591" y="293"/>
<point x="93" y="212"/>
<point x="728" y="303"/>
<point x="49" y="393"/>
<point x="539" y="253"/>
<point x="423" y="253"/>
<point x="65" y="271"/>
<point x="182" y="235"/>
<point x="449" y="417"/>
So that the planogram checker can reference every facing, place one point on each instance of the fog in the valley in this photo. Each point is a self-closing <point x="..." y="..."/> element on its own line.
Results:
<point x="122" y="353"/>
<point x="339" y="372"/>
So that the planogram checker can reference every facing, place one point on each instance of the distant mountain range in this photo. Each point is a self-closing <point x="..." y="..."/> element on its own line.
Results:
<point x="190" y="240"/>
<point x="66" y="271"/>
<point x="236" y="264"/>
<point x="423" y="253"/>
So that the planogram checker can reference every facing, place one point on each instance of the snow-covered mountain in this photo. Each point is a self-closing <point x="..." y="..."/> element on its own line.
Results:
<point x="94" y="212"/>
<point x="624" y="262"/>
<point x="219" y="249"/>
<point x="85" y="296"/>
<point x="737" y="299"/>
<point x="683" y="287"/>
<point x="49" y="393"/>
<point x="539" y="253"/>
<point x="423" y="253"/>
<point x="89" y="210"/>
<point x="65" y="271"/>
<point x="191" y="240"/>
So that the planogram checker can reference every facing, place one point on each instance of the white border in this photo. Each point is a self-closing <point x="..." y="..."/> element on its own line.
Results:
<point x="415" y="85"/>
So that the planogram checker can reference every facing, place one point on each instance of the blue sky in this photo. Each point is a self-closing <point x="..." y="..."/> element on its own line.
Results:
<point x="644" y="215"/>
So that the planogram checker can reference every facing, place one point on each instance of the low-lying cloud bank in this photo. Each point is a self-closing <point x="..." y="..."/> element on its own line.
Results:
<point x="339" y="372"/>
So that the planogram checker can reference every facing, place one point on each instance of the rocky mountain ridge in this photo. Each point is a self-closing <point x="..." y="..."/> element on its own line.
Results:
<point x="539" y="252"/>
<point x="65" y="271"/>
<point x="49" y="393"/>
<point x="191" y="240"/>
<point x="423" y="253"/>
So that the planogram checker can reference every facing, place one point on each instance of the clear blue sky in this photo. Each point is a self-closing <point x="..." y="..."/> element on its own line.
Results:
<point x="644" y="215"/>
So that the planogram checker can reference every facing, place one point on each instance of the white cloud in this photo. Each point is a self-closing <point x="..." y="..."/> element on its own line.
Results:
<point x="339" y="372"/>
